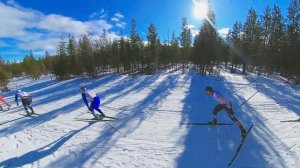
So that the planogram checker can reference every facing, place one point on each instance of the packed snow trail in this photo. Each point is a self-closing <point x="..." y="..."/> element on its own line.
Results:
<point x="149" y="111"/>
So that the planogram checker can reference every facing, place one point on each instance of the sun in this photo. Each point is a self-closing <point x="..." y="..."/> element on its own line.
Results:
<point x="200" y="9"/>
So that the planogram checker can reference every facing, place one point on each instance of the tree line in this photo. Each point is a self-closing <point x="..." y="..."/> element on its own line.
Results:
<point x="263" y="44"/>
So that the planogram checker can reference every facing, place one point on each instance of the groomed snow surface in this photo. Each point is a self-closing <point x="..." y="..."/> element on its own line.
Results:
<point x="148" y="131"/>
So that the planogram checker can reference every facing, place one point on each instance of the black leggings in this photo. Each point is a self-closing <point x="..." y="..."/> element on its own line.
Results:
<point x="26" y="103"/>
<point x="229" y="111"/>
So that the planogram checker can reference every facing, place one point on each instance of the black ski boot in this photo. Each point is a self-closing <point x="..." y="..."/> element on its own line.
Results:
<point x="243" y="133"/>
<point x="102" y="114"/>
<point x="213" y="122"/>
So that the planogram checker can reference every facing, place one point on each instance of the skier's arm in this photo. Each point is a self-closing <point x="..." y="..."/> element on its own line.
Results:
<point x="16" y="99"/>
<point x="84" y="99"/>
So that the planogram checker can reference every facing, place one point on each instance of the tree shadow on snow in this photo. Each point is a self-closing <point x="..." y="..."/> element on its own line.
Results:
<point x="36" y="155"/>
<point x="283" y="94"/>
<point x="125" y="124"/>
<point x="49" y="95"/>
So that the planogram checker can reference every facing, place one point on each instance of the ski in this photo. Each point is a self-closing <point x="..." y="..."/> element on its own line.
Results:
<point x="91" y="119"/>
<point x="291" y="120"/>
<point x="239" y="147"/>
<point x="29" y="115"/>
<point x="106" y="116"/>
<point x="101" y="117"/>
<point x="206" y="123"/>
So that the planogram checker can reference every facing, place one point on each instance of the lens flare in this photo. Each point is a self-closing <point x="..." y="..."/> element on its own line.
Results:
<point x="200" y="9"/>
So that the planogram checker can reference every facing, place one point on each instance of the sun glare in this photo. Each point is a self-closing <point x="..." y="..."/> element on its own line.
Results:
<point x="200" y="9"/>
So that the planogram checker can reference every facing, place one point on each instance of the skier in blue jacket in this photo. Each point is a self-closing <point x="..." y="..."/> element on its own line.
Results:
<point x="223" y="104"/>
<point x="26" y="100"/>
<point x="94" y="99"/>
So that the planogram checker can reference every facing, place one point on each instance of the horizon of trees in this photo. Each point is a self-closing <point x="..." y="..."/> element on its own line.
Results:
<point x="264" y="44"/>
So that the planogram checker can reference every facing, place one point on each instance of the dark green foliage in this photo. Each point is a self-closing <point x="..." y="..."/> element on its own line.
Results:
<point x="185" y="42"/>
<point x="4" y="75"/>
<point x="206" y="45"/>
<point x="152" y="49"/>
<point x="32" y="67"/>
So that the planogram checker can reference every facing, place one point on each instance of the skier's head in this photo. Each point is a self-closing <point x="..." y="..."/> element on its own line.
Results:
<point x="82" y="89"/>
<point x="209" y="90"/>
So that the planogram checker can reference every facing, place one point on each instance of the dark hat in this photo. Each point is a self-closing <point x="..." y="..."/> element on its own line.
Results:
<point x="209" y="88"/>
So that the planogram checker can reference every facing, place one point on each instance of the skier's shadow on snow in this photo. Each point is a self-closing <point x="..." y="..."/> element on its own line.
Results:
<point x="33" y="156"/>
<point x="207" y="146"/>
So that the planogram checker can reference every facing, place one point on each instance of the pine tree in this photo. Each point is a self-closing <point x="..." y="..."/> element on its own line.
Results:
<point x="4" y="75"/>
<point x="174" y="50"/>
<point x="277" y="39"/>
<point x="206" y="43"/>
<point x="73" y="63"/>
<point x="114" y="55"/>
<point x="102" y="50"/>
<point x="86" y="56"/>
<point x="235" y="43"/>
<point x="61" y="61"/>
<point x="31" y="66"/>
<point x="266" y="24"/>
<point x="124" y="54"/>
<point x="49" y="62"/>
<point x="251" y="40"/>
<point x="152" y="49"/>
<point x="185" y="42"/>
<point x="16" y="69"/>
<point x="292" y="59"/>
<point x="136" y="46"/>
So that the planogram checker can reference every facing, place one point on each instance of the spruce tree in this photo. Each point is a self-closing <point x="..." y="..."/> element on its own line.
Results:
<point x="206" y="43"/>
<point x="152" y="49"/>
<point x="292" y="59"/>
<point x="251" y="40"/>
<point x="185" y="42"/>
<point x="86" y="56"/>
<point x="277" y="40"/>
<point x="266" y="24"/>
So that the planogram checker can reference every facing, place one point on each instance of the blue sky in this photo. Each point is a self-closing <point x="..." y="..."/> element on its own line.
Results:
<point x="37" y="24"/>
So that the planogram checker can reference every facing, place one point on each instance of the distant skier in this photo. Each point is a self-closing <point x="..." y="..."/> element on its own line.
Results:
<point x="225" y="104"/>
<point x="5" y="102"/>
<point x="94" y="99"/>
<point x="26" y="101"/>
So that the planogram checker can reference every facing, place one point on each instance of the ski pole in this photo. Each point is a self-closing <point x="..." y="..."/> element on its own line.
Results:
<point x="115" y="129"/>
<point x="247" y="100"/>
<point x="246" y="85"/>
<point x="115" y="109"/>
<point x="80" y="114"/>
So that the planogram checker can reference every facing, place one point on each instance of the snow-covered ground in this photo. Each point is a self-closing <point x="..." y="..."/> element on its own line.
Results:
<point x="148" y="131"/>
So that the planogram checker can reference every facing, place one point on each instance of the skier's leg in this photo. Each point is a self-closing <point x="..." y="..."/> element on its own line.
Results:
<point x="3" y="100"/>
<point x="217" y="109"/>
<point x="97" y="105"/>
<point x="92" y="108"/>
<point x="29" y="104"/>
<point x="24" y="103"/>
<point x="236" y="121"/>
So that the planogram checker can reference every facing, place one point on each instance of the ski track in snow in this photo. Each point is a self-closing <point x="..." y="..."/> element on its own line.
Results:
<point x="149" y="110"/>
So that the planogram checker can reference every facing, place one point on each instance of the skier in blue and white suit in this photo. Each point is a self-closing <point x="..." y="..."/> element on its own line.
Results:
<point x="94" y="99"/>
